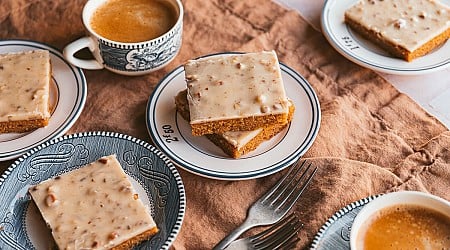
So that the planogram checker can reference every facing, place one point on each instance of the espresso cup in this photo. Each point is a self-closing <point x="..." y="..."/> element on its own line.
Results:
<point x="427" y="204"/>
<point x="126" y="58"/>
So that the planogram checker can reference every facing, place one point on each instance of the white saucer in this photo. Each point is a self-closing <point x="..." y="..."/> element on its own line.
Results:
<point x="172" y="134"/>
<point x="68" y="97"/>
<point x="363" y="52"/>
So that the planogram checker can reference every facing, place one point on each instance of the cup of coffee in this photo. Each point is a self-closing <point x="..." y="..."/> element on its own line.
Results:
<point x="402" y="220"/>
<point x="129" y="37"/>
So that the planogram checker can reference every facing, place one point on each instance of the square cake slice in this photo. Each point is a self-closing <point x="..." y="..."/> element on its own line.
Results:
<point x="407" y="29"/>
<point x="94" y="207"/>
<point x="24" y="91"/>
<point x="235" y="92"/>
<point x="236" y="143"/>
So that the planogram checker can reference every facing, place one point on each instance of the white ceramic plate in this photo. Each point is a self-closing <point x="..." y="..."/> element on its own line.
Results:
<point x="172" y="134"/>
<point x="68" y="95"/>
<point x="153" y="176"/>
<point x="363" y="52"/>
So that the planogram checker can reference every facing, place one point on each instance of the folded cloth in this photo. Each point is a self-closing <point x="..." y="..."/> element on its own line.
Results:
<point x="372" y="138"/>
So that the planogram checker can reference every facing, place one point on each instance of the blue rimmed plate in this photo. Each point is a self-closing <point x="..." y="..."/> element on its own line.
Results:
<point x="152" y="174"/>
<point x="366" y="54"/>
<point x="172" y="134"/>
<point x="68" y="96"/>
<point x="335" y="233"/>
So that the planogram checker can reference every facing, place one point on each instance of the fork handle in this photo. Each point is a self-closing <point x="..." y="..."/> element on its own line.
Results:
<point x="246" y="225"/>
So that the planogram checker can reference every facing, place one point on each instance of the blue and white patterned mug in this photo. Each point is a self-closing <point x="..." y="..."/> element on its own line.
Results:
<point x="126" y="58"/>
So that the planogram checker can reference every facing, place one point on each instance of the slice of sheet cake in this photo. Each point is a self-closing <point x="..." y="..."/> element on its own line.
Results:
<point x="94" y="207"/>
<point x="24" y="91"/>
<point x="235" y="92"/>
<point x="406" y="28"/>
<point x="235" y="143"/>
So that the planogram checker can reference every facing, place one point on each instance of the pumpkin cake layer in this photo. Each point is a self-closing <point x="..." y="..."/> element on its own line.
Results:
<point x="407" y="29"/>
<point x="236" y="143"/>
<point x="94" y="207"/>
<point x="235" y="92"/>
<point x="24" y="91"/>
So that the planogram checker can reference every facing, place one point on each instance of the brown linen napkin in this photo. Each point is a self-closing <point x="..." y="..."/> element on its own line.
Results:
<point x="372" y="139"/>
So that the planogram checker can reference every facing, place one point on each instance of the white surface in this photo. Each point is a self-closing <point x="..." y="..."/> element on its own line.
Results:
<point x="172" y="134"/>
<point x="431" y="91"/>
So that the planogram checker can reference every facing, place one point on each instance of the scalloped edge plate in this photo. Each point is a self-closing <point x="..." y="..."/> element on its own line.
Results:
<point x="335" y="233"/>
<point x="153" y="176"/>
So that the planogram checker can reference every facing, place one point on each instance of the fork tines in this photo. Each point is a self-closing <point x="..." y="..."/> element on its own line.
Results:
<point x="291" y="186"/>
<point x="282" y="235"/>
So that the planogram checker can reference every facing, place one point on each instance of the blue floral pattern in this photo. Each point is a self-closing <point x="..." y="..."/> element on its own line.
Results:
<point x="144" y="57"/>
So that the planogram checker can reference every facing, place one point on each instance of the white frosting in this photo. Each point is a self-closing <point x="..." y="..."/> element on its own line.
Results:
<point x="24" y="85"/>
<point x="93" y="207"/>
<point x="235" y="86"/>
<point x="240" y="138"/>
<point x="407" y="23"/>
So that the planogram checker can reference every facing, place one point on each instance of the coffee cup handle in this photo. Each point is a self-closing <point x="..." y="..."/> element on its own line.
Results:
<point x="77" y="45"/>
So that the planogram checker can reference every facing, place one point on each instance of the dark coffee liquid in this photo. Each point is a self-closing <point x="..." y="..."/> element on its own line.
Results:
<point x="132" y="21"/>
<point x="406" y="227"/>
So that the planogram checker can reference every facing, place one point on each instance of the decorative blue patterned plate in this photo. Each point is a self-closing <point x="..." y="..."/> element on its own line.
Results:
<point x="335" y="233"/>
<point x="152" y="174"/>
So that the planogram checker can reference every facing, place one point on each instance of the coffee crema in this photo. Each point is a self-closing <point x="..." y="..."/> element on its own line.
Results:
<point x="405" y="227"/>
<point x="131" y="21"/>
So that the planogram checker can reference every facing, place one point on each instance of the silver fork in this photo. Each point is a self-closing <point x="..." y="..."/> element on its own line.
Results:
<point x="274" y="205"/>
<point x="282" y="235"/>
